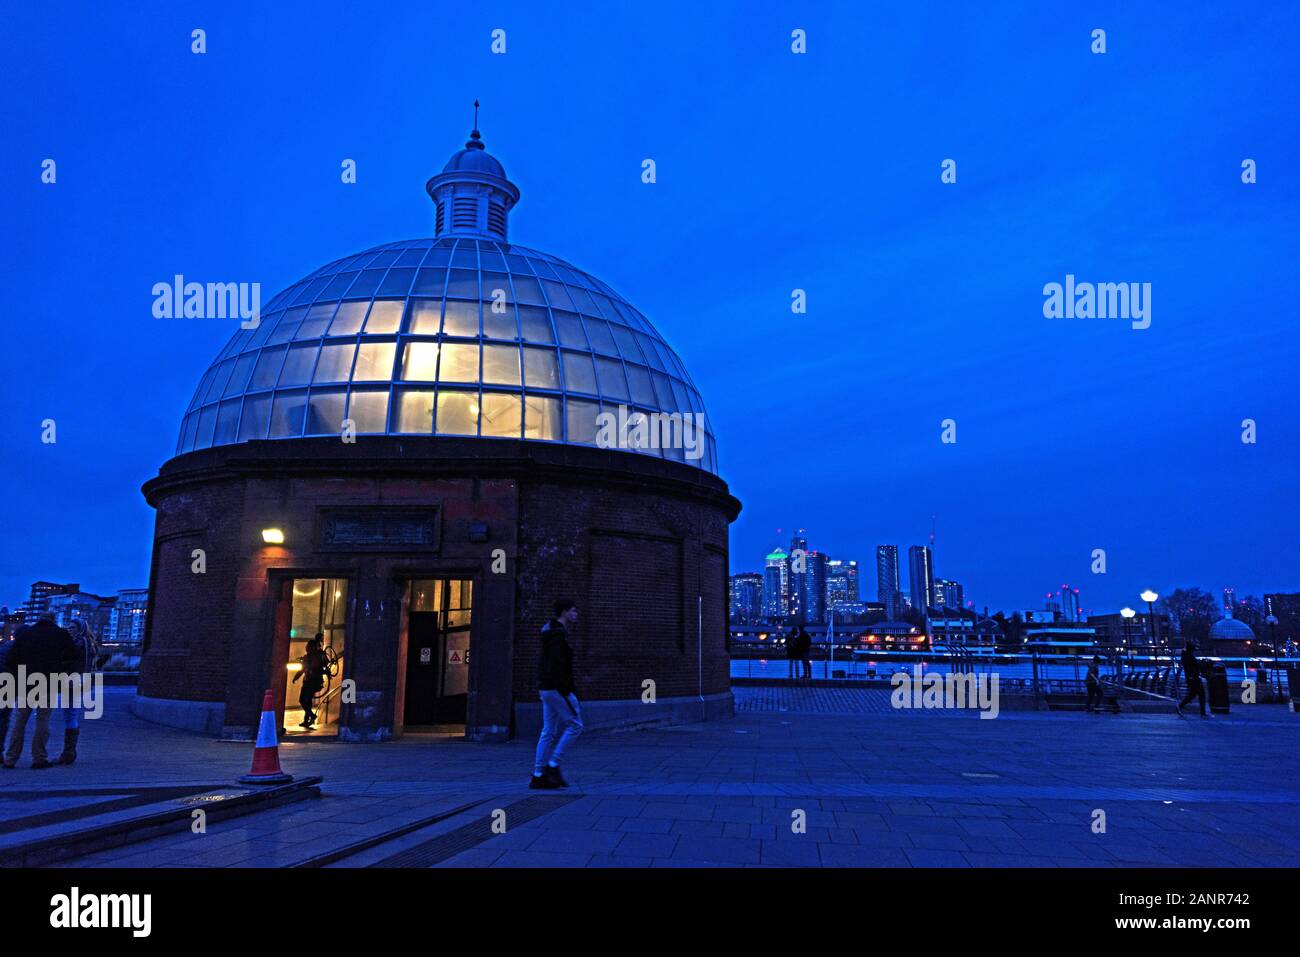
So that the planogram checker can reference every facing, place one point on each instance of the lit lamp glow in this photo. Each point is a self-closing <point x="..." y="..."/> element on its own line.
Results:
<point x="273" y="536"/>
<point x="1150" y="597"/>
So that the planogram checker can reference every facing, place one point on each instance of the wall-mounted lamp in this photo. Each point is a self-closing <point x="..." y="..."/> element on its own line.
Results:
<point x="273" y="536"/>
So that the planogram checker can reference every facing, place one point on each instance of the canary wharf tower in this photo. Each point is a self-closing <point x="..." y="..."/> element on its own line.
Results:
<point x="402" y="459"/>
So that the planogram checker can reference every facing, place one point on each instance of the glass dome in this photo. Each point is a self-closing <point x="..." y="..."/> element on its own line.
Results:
<point x="445" y="336"/>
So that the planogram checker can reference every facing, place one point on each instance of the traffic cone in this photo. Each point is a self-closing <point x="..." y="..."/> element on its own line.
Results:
<point x="266" y="752"/>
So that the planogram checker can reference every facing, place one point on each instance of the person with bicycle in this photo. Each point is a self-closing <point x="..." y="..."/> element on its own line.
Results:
<point x="315" y="667"/>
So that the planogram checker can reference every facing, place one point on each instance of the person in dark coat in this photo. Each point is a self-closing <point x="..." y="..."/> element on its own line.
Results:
<point x="314" y="667"/>
<point x="46" y="650"/>
<point x="1192" y="673"/>
<point x="792" y="651"/>
<point x="561" y="713"/>
<point x="804" y="645"/>
<point x="1093" y="681"/>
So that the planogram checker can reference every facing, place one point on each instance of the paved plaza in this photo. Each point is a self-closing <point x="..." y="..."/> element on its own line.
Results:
<point x="832" y="780"/>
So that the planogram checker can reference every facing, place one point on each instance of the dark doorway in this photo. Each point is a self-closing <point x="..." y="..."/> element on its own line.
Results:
<point x="437" y="654"/>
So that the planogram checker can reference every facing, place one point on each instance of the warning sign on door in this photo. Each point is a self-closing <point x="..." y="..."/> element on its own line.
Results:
<point x="455" y="657"/>
<point x="426" y="655"/>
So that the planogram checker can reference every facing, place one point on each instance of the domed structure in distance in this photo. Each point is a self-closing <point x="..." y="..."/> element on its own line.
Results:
<point x="402" y="458"/>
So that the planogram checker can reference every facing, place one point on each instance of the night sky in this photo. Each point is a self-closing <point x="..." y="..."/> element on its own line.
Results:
<point x="776" y="172"/>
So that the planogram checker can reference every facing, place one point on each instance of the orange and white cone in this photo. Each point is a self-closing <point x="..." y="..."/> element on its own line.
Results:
<point x="266" y="753"/>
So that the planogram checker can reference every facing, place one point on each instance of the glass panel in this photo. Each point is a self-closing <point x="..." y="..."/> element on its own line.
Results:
<point x="627" y="344"/>
<point x="366" y="284"/>
<point x="369" y="411"/>
<point x="459" y="362"/>
<point x="411" y="257"/>
<point x="496" y="286"/>
<point x="420" y="361"/>
<point x="647" y="347"/>
<point x="227" y="423"/>
<point x="325" y="413"/>
<point x="347" y="321"/>
<point x="187" y="438"/>
<point x="461" y="319"/>
<point x="601" y="340"/>
<point x="536" y="324"/>
<point x="582" y="421"/>
<point x="612" y="382"/>
<point x="298" y="367"/>
<point x="218" y="381"/>
<point x="558" y="297"/>
<point x="528" y="291"/>
<point x="542" y="418"/>
<point x="462" y="284"/>
<point x="430" y="282"/>
<point x="268" y="368"/>
<point x="375" y="362"/>
<point x="263" y="330"/>
<point x="500" y="365"/>
<point x="502" y="415"/>
<point x="663" y="391"/>
<point x="239" y="377"/>
<point x="541" y="370"/>
<point x="499" y="321"/>
<point x="385" y="316"/>
<point x="424" y="317"/>
<point x="207" y="422"/>
<point x="335" y="363"/>
<point x="570" y="329"/>
<point x="457" y="413"/>
<point x="287" y="414"/>
<point x="643" y="392"/>
<point x="339" y="285"/>
<point x="317" y="321"/>
<point x="415" y="411"/>
<point x="257" y="412"/>
<point x="466" y="256"/>
<point x="583" y="301"/>
<point x="287" y="327"/>
<point x="396" y="283"/>
<point x="490" y="259"/>
<point x="578" y="373"/>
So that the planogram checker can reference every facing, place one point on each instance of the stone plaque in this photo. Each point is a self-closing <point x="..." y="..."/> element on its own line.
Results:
<point x="378" y="528"/>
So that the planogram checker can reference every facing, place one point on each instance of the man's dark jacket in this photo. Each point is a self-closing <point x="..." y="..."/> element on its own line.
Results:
<point x="555" y="666"/>
<point x="1191" y="667"/>
<point x="45" y="648"/>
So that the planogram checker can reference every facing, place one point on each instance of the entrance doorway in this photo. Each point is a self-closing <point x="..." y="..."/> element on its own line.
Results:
<point x="314" y="675"/>
<point x="439" y="613"/>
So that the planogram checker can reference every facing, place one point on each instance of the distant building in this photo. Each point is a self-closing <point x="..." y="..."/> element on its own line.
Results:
<point x="1286" y="609"/>
<point x="1111" y="629"/>
<point x="797" y="596"/>
<point x="920" y="567"/>
<point x="94" y="610"/>
<point x="948" y="594"/>
<point x="964" y="631"/>
<point x="126" y="620"/>
<point x="776" y="585"/>
<point x="887" y="591"/>
<point x="841" y="582"/>
<point x="39" y="602"/>
<point x="745" y="597"/>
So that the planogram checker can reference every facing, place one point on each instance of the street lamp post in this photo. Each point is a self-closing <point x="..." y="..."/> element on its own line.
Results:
<point x="1127" y="614"/>
<point x="1150" y="598"/>
<point x="1271" y="621"/>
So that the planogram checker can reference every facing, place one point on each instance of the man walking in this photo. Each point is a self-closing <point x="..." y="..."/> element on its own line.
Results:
<point x="1093" y="682"/>
<point x="48" y="651"/>
<point x="1192" y="673"/>
<point x="561" y="714"/>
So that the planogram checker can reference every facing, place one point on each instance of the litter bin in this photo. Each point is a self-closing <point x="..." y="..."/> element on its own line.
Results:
<point x="1218" y="679"/>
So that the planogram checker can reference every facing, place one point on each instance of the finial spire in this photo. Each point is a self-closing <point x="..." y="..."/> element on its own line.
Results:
<point x="475" y="140"/>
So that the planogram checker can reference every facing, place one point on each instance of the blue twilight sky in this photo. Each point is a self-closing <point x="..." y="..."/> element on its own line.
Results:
<point x="776" y="171"/>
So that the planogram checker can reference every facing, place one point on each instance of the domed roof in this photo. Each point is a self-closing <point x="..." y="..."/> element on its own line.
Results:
<point x="1230" y="629"/>
<point x="447" y="336"/>
<point x="474" y="160"/>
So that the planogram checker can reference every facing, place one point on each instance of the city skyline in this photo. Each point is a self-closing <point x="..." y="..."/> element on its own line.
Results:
<point x="924" y="300"/>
